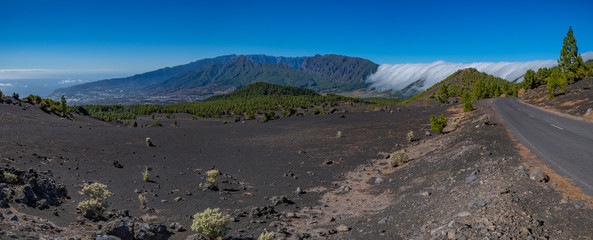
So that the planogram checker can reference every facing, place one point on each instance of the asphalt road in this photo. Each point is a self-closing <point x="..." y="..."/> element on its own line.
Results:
<point x="564" y="143"/>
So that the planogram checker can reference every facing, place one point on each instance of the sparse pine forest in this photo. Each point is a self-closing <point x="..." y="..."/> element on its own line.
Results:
<point x="570" y="69"/>
<point x="474" y="85"/>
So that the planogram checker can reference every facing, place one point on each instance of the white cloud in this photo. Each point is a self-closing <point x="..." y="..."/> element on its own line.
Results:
<point x="586" y="56"/>
<point x="71" y="81"/>
<point x="393" y="77"/>
<point x="6" y="85"/>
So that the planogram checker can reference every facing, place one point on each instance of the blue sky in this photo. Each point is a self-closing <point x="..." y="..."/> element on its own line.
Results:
<point x="90" y="40"/>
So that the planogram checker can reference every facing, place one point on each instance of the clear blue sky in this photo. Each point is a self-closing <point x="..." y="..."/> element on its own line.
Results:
<point x="136" y="36"/>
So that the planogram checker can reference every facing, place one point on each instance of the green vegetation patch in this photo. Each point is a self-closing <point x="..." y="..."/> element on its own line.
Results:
<point x="250" y="101"/>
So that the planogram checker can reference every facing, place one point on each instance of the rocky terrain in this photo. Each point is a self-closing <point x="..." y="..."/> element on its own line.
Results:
<point x="576" y="99"/>
<point x="293" y="176"/>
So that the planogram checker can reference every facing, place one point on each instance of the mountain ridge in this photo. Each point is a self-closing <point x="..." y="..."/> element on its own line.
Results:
<point x="328" y="73"/>
<point x="217" y="78"/>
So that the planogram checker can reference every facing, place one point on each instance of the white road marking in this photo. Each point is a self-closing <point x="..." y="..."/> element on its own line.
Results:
<point x="556" y="126"/>
<point x="531" y="116"/>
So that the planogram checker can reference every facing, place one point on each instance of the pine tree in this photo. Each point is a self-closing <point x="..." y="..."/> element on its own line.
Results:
<point x="63" y="107"/>
<point x="569" y="60"/>
<point x="443" y="95"/>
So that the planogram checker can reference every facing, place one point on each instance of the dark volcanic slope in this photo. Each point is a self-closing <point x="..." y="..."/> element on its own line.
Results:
<point x="577" y="98"/>
<point x="470" y="183"/>
<point x="565" y="143"/>
<point x="257" y="156"/>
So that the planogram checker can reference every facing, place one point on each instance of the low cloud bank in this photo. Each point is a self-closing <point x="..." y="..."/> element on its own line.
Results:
<point x="394" y="77"/>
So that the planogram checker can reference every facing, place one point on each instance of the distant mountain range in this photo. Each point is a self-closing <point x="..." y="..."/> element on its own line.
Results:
<point x="207" y="77"/>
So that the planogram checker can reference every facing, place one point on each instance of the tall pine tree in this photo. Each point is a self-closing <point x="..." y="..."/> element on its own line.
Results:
<point x="569" y="60"/>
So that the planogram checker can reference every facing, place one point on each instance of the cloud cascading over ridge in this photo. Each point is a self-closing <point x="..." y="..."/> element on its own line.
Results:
<point x="394" y="77"/>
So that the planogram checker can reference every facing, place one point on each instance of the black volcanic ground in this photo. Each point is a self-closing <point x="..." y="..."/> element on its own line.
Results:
<point x="351" y="192"/>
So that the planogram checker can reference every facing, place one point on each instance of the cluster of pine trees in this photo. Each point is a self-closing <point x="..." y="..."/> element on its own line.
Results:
<point x="570" y="69"/>
<point x="50" y="106"/>
<point x="475" y="85"/>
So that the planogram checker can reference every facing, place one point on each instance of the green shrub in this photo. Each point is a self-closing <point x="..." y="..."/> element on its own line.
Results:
<point x="145" y="175"/>
<point x="211" y="223"/>
<point x="135" y="124"/>
<point x="398" y="158"/>
<point x="10" y="178"/>
<point x="289" y="112"/>
<point x="339" y="134"/>
<point x="438" y="124"/>
<point x="468" y="106"/>
<point x="149" y="142"/>
<point x="266" y="235"/>
<point x="157" y="123"/>
<point x="212" y="174"/>
<point x="8" y="195"/>
<point x="269" y="116"/>
<point x="410" y="136"/>
<point x="15" y="96"/>
<point x="97" y="193"/>
<point x="556" y="83"/>
<point x="33" y="99"/>
<point x="443" y="95"/>
<point x="316" y="111"/>
<point x="142" y="200"/>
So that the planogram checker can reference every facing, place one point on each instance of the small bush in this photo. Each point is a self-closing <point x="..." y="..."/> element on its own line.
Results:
<point x="398" y="158"/>
<point x="271" y="115"/>
<point x="339" y="134"/>
<point x="149" y="142"/>
<point x="212" y="174"/>
<point x="468" y="106"/>
<point x="157" y="124"/>
<point x="410" y="136"/>
<point x="316" y="111"/>
<point x="135" y="124"/>
<point x="289" y="112"/>
<point x="8" y="195"/>
<point x="266" y="235"/>
<point x="438" y="124"/>
<point x="211" y="223"/>
<point x="456" y="122"/>
<point x="146" y="175"/>
<point x="94" y="205"/>
<point x="10" y="178"/>
<point x="97" y="193"/>
<point x="142" y="200"/>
